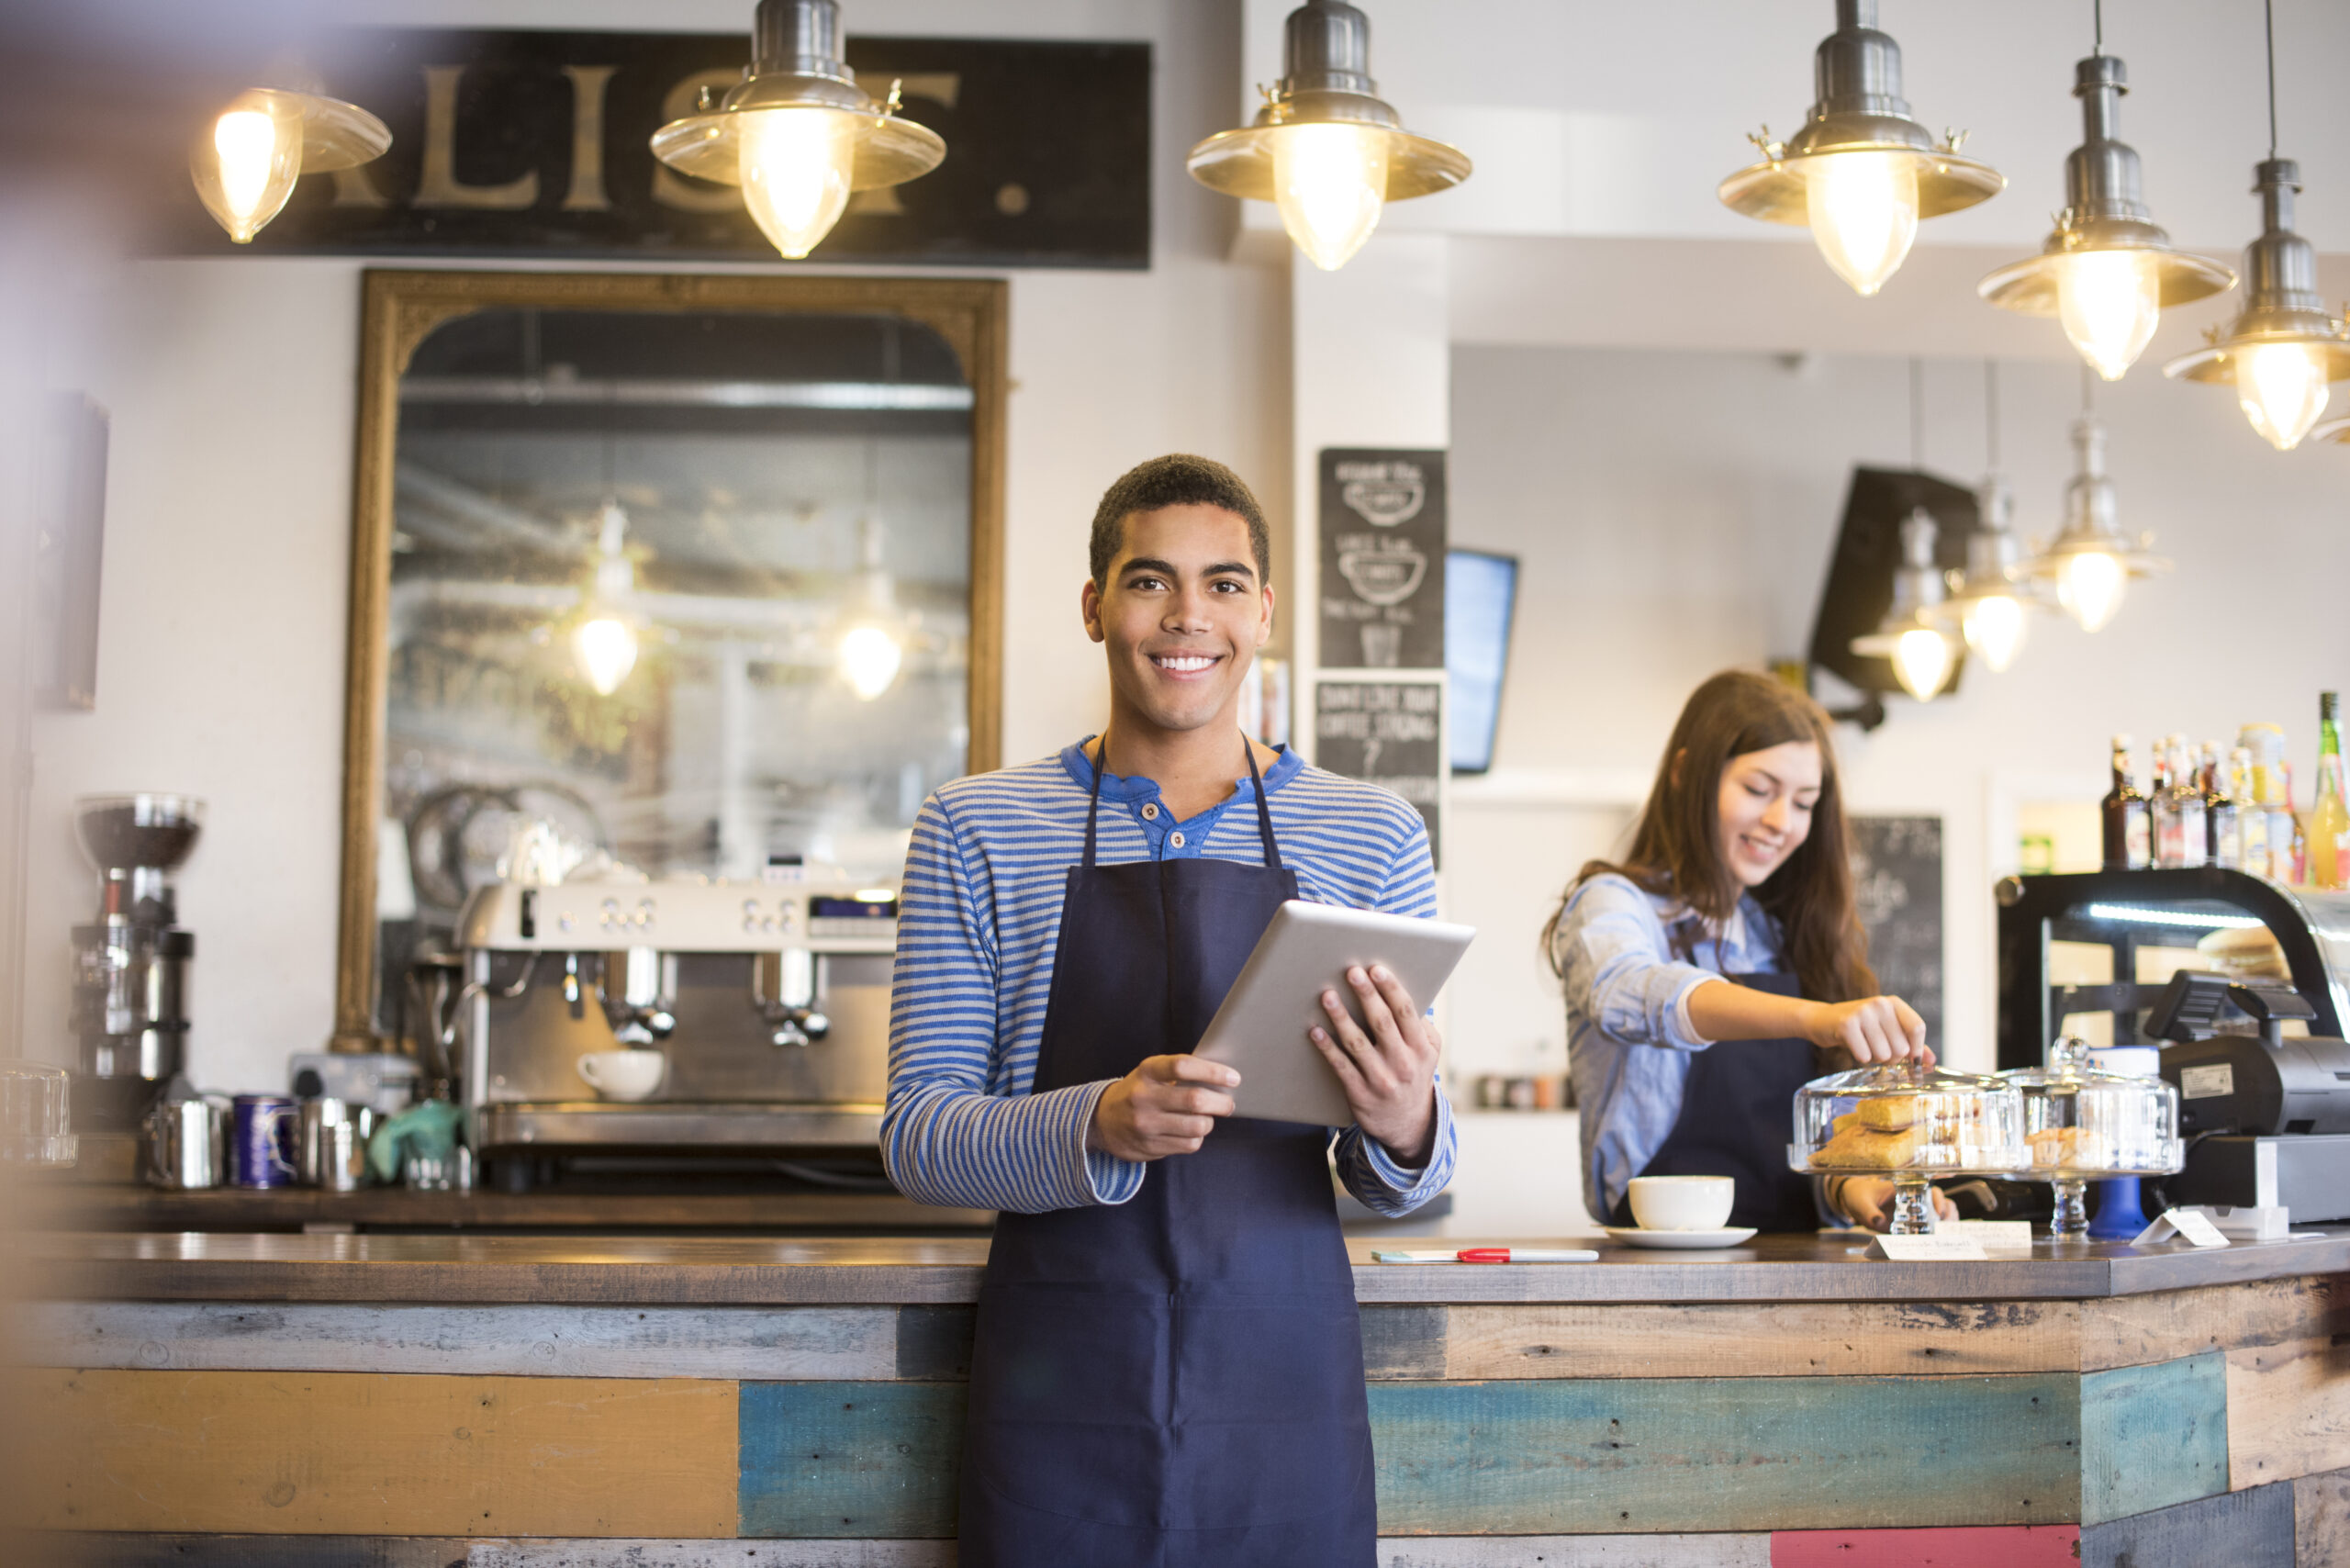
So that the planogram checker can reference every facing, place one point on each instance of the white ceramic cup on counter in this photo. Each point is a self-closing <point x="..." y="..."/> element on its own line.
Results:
<point x="627" y="1075"/>
<point x="1683" y="1203"/>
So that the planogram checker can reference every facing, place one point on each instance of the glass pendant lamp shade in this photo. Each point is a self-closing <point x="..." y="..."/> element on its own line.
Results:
<point x="2090" y="562"/>
<point x="604" y="642"/>
<point x="1862" y="172"/>
<point x="245" y="161"/>
<point x="1326" y="149"/>
<point x="798" y="136"/>
<point x="1910" y="635"/>
<point x="604" y="649"/>
<point x="2106" y="271"/>
<point x="1992" y="602"/>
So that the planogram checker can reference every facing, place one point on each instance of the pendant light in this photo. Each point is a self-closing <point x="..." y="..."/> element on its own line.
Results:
<point x="1993" y="601"/>
<point x="871" y="631"/>
<point x="603" y="642"/>
<point x="799" y="135"/>
<point x="1919" y="650"/>
<point x="1861" y="172"/>
<point x="246" y="160"/>
<point x="2106" y="271"/>
<point x="2089" y="561"/>
<point x="2285" y="347"/>
<point x="1326" y="148"/>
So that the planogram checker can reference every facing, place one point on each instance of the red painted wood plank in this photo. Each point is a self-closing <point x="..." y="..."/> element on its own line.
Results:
<point x="1983" y="1546"/>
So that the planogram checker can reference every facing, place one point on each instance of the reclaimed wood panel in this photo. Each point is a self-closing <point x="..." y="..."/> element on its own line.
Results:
<point x="1988" y="1546"/>
<point x="2239" y="1529"/>
<point x="1772" y="1340"/>
<point x="1609" y="1457"/>
<point x="2288" y="1411"/>
<point x="95" y="1549"/>
<point x="2163" y="1326"/>
<point x="732" y="1343"/>
<point x="358" y="1453"/>
<point x="1405" y="1342"/>
<point x="2153" y="1436"/>
<point x="850" y="1459"/>
<point x="2321" y="1520"/>
<point x="1576" y="1551"/>
<point x="710" y="1554"/>
<point x="934" y="1343"/>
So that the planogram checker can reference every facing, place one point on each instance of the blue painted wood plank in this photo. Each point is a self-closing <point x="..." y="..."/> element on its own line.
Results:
<point x="2240" y="1529"/>
<point x="2153" y="1436"/>
<point x="1606" y="1456"/>
<point x="850" y="1459"/>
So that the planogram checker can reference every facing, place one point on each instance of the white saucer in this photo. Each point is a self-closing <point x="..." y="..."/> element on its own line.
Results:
<point x="1633" y="1236"/>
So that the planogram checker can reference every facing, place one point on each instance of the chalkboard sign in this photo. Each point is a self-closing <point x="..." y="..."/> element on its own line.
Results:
<point x="1388" y="732"/>
<point x="1382" y="559"/>
<point x="1898" y="879"/>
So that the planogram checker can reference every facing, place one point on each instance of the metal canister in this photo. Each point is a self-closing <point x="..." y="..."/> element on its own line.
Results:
<point x="260" y="1137"/>
<point x="188" y="1143"/>
<point x="331" y="1143"/>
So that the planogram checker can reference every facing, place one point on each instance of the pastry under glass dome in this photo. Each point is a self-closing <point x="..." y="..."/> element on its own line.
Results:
<point x="1910" y="1122"/>
<point x="2082" y="1124"/>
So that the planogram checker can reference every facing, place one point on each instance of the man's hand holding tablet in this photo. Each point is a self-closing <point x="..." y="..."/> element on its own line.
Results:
<point x="1166" y="1105"/>
<point x="1389" y="1069"/>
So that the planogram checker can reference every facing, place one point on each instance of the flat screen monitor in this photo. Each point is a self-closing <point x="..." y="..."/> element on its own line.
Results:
<point x="1480" y="591"/>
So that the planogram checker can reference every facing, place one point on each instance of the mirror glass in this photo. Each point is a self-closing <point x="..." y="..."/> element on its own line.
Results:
<point x="689" y="591"/>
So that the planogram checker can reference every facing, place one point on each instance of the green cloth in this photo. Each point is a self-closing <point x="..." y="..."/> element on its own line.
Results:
<point x="429" y="1129"/>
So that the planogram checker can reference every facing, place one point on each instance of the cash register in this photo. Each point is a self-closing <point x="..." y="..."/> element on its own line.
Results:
<point x="2237" y="979"/>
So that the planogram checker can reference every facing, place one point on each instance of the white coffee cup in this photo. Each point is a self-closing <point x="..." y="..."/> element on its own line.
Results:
<point x="1683" y="1203"/>
<point x="626" y="1075"/>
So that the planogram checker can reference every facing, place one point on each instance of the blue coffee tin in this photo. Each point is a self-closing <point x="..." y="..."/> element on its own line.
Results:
<point x="261" y="1140"/>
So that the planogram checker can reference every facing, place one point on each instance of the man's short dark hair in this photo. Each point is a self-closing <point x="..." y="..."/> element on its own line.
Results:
<point x="1177" y="480"/>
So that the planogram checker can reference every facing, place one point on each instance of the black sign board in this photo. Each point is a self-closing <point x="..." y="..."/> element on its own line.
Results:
<point x="1388" y="732"/>
<point x="534" y="144"/>
<point x="1868" y="550"/>
<point x="1897" y="884"/>
<point x="1382" y="559"/>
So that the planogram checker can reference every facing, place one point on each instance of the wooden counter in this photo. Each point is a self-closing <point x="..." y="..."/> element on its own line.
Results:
<point x="584" y="1401"/>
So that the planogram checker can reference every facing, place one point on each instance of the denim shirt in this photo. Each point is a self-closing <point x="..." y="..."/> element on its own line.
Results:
<point x="1629" y="1041"/>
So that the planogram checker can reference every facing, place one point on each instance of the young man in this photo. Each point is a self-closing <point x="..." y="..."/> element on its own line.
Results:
<point x="1169" y="1366"/>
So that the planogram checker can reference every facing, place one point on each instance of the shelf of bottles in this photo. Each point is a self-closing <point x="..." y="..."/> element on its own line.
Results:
<point x="2237" y="811"/>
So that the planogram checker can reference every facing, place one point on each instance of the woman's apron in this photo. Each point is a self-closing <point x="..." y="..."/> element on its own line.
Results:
<point x="1177" y="1379"/>
<point x="1737" y="1115"/>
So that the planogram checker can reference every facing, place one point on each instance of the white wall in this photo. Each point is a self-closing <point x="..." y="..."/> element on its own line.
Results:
<point x="231" y="384"/>
<point x="1675" y="511"/>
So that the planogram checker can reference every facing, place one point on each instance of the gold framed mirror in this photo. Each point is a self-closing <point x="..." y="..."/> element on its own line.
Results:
<point x="698" y="572"/>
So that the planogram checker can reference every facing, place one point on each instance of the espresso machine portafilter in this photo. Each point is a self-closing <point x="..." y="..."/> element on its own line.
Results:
<point x="130" y="964"/>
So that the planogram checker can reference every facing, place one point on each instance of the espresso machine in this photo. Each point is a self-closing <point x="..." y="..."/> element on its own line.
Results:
<point x="769" y="1000"/>
<point x="130" y="964"/>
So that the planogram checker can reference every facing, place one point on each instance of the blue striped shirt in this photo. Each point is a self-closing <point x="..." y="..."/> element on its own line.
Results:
<point x="978" y="919"/>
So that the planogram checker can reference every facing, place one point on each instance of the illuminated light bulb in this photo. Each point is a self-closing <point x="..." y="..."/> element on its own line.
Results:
<point x="869" y="658"/>
<point x="2090" y="586"/>
<point x="1995" y="629"/>
<point x="2283" y="390"/>
<point x="1921" y="660"/>
<point x="795" y="169"/>
<point x="1864" y="209"/>
<point x="254" y="157"/>
<point x="605" y="648"/>
<point x="2109" y="302"/>
<point x="1330" y="183"/>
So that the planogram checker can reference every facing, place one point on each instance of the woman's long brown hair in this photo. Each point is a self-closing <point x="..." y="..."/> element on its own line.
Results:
<point x="1677" y="850"/>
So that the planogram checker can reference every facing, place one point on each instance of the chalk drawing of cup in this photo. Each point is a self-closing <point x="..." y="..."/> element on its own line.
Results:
<point x="1385" y="502"/>
<point x="1386" y="576"/>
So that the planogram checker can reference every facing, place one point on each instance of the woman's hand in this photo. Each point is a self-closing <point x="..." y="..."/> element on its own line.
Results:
<point x="1875" y="1028"/>
<point x="1166" y="1105"/>
<point x="1867" y="1202"/>
<point x="1389" y="1069"/>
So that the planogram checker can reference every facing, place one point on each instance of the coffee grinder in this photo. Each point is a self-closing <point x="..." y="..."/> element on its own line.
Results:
<point x="130" y="964"/>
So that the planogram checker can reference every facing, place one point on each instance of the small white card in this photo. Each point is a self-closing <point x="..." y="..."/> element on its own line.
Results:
<point x="1945" y="1246"/>
<point x="1995" y="1235"/>
<point x="2189" y="1225"/>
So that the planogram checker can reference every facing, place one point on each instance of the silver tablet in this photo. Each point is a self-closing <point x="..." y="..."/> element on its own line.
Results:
<point x="1260" y="1029"/>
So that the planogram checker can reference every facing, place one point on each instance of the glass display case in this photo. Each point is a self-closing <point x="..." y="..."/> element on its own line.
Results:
<point x="1910" y="1124"/>
<point x="2081" y="1125"/>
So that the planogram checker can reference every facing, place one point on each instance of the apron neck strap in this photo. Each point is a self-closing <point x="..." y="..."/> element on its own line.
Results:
<point x="1264" y="811"/>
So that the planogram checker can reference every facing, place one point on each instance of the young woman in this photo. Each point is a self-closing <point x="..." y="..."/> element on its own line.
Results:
<point x="1723" y="965"/>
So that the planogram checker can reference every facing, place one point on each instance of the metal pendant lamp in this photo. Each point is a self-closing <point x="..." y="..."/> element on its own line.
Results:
<point x="1326" y="148"/>
<point x="2281" y="352"/>
<point x="1862" y="171"/>
<point x="2090" y="562"/>
<point x="799" y="135"/>
<point x="1909" y="635"/>
<point x="1993" y="601"/>
<point x="2107" y="271"/>
<point x="245" y="162"/>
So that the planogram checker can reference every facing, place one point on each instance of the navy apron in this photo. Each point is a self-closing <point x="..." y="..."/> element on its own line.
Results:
<point x="1177" y="1379"/>
<point x="1737" y="1114"/>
